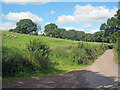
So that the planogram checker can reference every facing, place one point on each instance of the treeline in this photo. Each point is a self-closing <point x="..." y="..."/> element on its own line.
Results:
<point x="52" y="30"/>
<point x="109" y="31"/>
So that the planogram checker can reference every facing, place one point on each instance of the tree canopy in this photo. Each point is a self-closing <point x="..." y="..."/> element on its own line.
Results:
<point x="111" y="28"/>
<point x="50" y="29"/>
<point x="25" y="26"/>
<point x="53" y="30"/>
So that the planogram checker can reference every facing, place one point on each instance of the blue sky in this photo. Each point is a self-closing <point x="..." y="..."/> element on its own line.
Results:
<point x="82" y="16"/>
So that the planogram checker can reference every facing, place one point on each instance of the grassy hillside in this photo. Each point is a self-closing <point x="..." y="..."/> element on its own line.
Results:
<point x="65" y="55"/>
<point x="22" y="39"/>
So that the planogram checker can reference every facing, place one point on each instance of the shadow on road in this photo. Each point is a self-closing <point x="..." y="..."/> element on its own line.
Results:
<point x="97" y="80"/>
<point x="73" y="79"/>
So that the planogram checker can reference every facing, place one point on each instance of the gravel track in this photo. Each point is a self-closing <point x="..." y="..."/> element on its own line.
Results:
<point x="103" y="73"/>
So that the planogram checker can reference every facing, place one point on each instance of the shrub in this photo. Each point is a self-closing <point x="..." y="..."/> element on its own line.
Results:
<point x="13" y="62"/>
<point x="39" y="54"/>
<point x="86" y="53"/>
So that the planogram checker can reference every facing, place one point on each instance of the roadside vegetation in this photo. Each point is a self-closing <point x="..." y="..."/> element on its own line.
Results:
<point x="116" y="51"/>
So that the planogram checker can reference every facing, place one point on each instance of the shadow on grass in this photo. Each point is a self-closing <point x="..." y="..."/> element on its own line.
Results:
<point x="73" y="79"/>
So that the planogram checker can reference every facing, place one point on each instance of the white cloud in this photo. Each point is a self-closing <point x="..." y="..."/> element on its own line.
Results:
<point x="52" y="12"/>
<point x="66" y="19"/>
<point x="93" y="31"/>
<point x="22" y="15"/>
<point x="93" y="14"/>
<point x="87" y="25"/>
<point x="70" y="28"/>
<point x="87" y="13"/>
<point x="47" y="23"/>
<point x="26" y="1"/>
<point x="7" y="26"/>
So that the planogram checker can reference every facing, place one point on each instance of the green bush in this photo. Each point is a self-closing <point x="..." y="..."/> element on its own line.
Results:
<point x="86" y="53"/>
<point x="39" y="54"/>
<point x="13" y="62"/>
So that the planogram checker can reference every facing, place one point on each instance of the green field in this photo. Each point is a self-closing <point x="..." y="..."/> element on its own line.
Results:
<point x="66" y="55"/>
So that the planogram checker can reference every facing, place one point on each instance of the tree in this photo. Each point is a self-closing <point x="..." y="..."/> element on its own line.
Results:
<point x="113" y="24"/>
<point x="89" y="37"/>
<point x="98" y="36"/>
<point x="79" y="35"/>
<point x="62" y="33"/>
<point x="118" y="14"/>
<point x="71" y="34"/>
<point x="59" y="33"/>
<point x="25" y="26"/>
<point x="111" y="28"/>
<point x="50" y="29"/>
<point x="103" y="27"/>
<point x="11" y="30"/>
